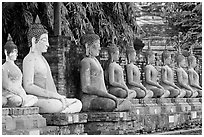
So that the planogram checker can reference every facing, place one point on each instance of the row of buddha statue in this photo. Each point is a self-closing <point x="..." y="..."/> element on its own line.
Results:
<point x="102" y="90"/>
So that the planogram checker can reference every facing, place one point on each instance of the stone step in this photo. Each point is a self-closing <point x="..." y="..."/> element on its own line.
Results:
<point x="20" y="111"/>
<point x="59" y="119"/>
<point x="49" y="130"/>
<point x="108" y="116"/>
<point x="29" y="121"/>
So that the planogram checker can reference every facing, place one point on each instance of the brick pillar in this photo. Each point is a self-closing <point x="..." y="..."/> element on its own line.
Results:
<point x="56" y="59"/>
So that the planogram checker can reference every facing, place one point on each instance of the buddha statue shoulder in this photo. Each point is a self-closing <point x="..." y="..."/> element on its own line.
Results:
<point x="37" y="77"/>
<point x="133" y="76"/>
<point x="151" y="76"/>
<point x="13" y="92"/>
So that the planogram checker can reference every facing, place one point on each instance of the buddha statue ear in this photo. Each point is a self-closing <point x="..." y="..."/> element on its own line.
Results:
<point x="33" y="44"/>
<point x="87" y="49"/>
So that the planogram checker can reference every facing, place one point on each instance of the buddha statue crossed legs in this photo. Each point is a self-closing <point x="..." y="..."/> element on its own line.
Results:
<point x="95" y="95"/>
<point x="133" y="76"/>
<point x="193" y="75"/>
<point x="182" y="77"/>
<point x="151" y="76"/>
<point x="167" y="77"/>
<point x="37" y="77"/>
<point x="13" y="92"/>
<point x="115" y="76"/>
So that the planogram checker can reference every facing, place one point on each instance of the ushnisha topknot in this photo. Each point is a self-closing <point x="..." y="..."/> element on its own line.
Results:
<point x="36" y="30"/>
<point x="165" y="53"/>
<point x="89" y="37"/>
<point x="10" y="46"/>
<point x="149" y="51"/>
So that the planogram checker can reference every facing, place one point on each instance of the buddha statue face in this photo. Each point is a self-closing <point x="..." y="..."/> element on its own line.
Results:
<point x="115" y="55"/>
<point x="132" y="56"/>
<point x="94" y="48"/>
<point x="12" y="55"/>
<point x="41" y="44"/>
<point x="192" y="61"/>
<point x="151" y="58"/>
<point x="181" y="61"/>
<point x="166" y="58"/>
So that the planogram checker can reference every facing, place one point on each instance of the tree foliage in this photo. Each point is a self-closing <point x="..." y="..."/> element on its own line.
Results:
<point x="108" y="19"/>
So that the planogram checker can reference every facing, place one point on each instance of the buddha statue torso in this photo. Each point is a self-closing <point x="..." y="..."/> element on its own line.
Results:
<point x="118" y="72"/>
<point x="169" y="76"/>
<point x="14" y="76"/>
<point x="135" y="72"/>
<point x="153" y="75"/>
<point x="96" y="74"/>
<point x="195" y="76"/>
<point x="184" y="76"/>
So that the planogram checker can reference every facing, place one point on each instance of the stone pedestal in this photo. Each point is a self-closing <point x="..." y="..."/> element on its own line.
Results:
<point x="196" y="111"/>
<point x="181" y="105"/>
<point x="167" y="119"/>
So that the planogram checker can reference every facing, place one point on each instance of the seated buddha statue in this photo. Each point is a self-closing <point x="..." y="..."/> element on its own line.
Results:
<point x="133" y="76"/>
<point x="95" y="95"/>
<point x="13" y="92"/>
<point x="37" y="77"/>
<point x="193" y="75"/>
<point x="167" y="77"/>
<point x="182" y="76"/>
<point x="151" y="76"/>
<point x="115" y="75"/>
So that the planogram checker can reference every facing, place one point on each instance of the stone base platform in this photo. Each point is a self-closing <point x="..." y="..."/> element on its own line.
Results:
<point x="152" y="116"/>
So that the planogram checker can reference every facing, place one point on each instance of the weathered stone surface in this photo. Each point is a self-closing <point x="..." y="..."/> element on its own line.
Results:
<point x="166" y="105"/>
<point x="73" y="129"/>
<point x="150" y="123"/>
<point x="195" y="104"/>
<point x="59" y="119"/>
<point x="8" y="123"/>
<point x="109" y="116"/>
<point x="5" y="111"/>
<point x="181" y="105"/>
<point x="29" y="121"/>
<point x="23" y="111"/>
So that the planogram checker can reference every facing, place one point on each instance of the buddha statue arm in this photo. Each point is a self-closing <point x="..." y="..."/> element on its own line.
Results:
<point x="164" y="78"/>
<point x="28" y="81"/>
<point x="86" y="82"/>
<point x="112" y="81"/>
<point x="181" y="81"/>
<point x="191" y="80"/>
<point x="148" y="78"/>
<point x="130" y="79"/>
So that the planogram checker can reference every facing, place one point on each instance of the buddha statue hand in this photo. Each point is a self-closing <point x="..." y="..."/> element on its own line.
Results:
<point x="63" y="100"/>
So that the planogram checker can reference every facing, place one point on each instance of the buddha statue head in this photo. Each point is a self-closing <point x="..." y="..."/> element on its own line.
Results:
<point x="180" y="59"/>
<point x="10" y="49"/>
<point x="131" y="54"/>
<point x="149" y="55"/>
<point x="91" y="42"/>
<point x="38" y="37"/>
<point x="191" y="59"/>
<point x="166" y="56"/>
<point x="113" y="51"/>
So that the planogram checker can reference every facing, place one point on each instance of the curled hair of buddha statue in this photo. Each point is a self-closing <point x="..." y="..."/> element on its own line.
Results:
<point x="35" y="30"/>
<point x="9" y="46"/>
<point x="191" y="57"/>
<point x="165" y="54"/>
